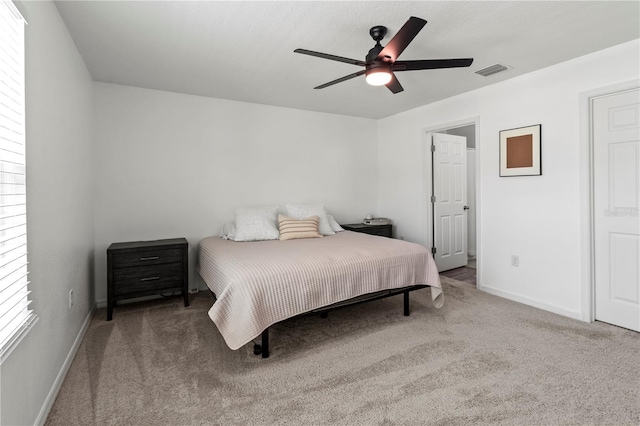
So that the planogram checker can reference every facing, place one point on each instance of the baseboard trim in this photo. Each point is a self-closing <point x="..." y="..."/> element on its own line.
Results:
<point x="57" y="384"/>
<point x="102" y="303"/>
<point x="533" y="302"/>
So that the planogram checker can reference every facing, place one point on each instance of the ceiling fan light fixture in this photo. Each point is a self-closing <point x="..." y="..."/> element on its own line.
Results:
<point x="381" y="63"/>
<point x="378" y="76"/>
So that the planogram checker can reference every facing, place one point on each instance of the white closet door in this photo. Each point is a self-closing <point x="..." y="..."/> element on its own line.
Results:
<point x="616" y="186"/>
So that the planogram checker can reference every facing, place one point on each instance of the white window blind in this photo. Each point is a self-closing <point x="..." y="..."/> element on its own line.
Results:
<point x="15" y="315"/>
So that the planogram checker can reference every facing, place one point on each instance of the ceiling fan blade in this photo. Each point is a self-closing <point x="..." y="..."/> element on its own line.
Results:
<point x="341" y="79"/>
<point x="331" y="57"/>
<point x="394" y="85"/>
<point x="430" y="64"/>
<point x="401" y="40"/>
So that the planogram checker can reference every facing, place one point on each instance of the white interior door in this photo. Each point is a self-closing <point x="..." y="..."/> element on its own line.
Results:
<point x="616" y="196"/>
<point x="449" y="200"/>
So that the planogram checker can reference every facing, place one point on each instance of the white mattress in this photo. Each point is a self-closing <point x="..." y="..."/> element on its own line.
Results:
<point x="260" y="283"/>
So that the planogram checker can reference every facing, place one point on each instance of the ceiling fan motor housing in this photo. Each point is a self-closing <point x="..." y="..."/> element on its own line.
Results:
<point x="378" y="66"/>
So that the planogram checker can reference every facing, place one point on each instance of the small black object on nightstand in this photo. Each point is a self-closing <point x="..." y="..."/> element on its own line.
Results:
<point x="381" y="230"/>
<point x="145" y="268"/>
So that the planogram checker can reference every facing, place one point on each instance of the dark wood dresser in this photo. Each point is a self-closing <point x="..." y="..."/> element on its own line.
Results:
<point x="145" y="268"/>
<point x="381" y="230"/>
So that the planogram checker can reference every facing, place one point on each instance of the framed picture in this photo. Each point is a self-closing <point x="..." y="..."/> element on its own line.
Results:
<point x="520" y="151"/>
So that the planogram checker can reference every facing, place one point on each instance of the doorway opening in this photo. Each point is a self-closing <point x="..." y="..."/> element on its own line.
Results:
<point x="467" y="269"/>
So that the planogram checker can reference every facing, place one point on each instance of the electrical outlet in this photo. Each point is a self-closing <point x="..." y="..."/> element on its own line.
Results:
<point x="515" y="260"/>
<point x="401" y="237"/>
<point x="70" y="298"/>
<point x="194" y="290"/>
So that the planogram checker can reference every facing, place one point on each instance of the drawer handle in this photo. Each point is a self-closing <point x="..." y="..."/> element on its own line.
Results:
<point x="142" y="259"/>
<point x="150" y="279"/>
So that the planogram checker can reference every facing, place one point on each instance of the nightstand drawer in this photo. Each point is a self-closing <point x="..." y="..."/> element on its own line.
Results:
<point x="380" y="230"/>
<point x="383" y="232"/>
<point x="145" y="258"/>
<point x="147" y="278"/>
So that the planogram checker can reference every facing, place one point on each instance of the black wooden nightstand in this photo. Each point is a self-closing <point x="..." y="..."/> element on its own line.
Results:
<point x="144" y="268"/>
<point x="381" y="230"/>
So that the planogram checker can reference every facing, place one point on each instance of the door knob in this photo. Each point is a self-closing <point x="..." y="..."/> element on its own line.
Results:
<point x="466" y="207"/>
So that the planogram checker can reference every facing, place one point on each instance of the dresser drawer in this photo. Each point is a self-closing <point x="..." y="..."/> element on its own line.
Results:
<point x="145" y="258"/>
<point x="147" y="278"/>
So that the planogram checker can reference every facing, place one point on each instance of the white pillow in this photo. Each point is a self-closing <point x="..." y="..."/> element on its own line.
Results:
<point x="228" y="231"/>
<point x="300" y="211"/>
<point x="256" y="223"/>
<point x="334" y="225"/>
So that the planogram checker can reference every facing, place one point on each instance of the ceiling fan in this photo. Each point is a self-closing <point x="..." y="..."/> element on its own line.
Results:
<point x="381" y="62"/>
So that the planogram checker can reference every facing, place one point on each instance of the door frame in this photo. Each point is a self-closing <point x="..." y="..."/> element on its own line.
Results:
<point x="587" y="223"/>
<point x="427" y="173"/>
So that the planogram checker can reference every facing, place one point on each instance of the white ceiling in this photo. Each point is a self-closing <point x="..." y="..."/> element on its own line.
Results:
<point x="243" y="50"/>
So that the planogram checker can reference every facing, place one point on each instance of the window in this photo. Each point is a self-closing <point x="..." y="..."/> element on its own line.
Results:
<point x="15" y="315"/>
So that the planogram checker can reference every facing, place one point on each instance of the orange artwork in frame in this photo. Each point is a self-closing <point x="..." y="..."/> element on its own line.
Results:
<point x="520" y="151"/>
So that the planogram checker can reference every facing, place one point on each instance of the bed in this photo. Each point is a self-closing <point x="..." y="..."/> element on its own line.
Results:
<point x="257" y="284"/>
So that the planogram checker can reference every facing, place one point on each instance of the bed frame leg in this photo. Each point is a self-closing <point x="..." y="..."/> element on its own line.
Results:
<point x="406" y="303"/>
<point x="265" y="343"/>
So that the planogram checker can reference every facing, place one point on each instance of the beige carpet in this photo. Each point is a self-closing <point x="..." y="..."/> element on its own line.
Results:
<point x="478" y="360"/>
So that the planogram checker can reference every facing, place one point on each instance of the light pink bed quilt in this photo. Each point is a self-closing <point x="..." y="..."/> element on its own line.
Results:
<point x="260" y="283"/>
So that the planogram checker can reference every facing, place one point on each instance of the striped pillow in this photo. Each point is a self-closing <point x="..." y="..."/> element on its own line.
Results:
<point x="291" y="229"/>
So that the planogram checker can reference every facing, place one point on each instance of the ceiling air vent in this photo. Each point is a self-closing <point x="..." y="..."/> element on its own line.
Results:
<point x="493" y="69"/>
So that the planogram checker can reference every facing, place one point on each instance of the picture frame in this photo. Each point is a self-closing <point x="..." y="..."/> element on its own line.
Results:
<point x="520" y="151"/>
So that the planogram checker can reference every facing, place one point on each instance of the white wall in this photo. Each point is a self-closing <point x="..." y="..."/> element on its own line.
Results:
<point x="174" y="165"/>
<point x="537" y="218"/>
<point x="59" y="108"/>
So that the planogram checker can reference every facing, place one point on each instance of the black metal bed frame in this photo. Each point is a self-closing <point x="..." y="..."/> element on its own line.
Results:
<point x="263" y="348"/>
